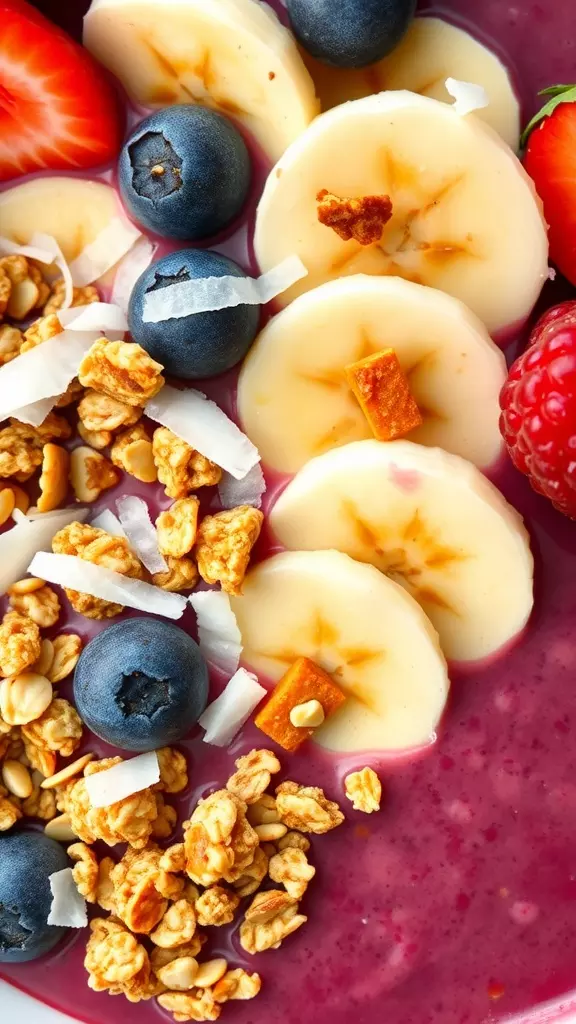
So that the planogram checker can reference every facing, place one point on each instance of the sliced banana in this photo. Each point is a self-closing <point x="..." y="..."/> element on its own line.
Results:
<point x="430" y="521"/>
<point x="233" y="55"/>
<point x="465" y="215"/>
<point x="73" y="210"/>
<point x="293" y="396"/>
<point x="431" y="51"/>
<point x="365" y="630"/>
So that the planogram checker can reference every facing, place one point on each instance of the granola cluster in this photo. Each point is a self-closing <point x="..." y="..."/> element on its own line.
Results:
<point x="181" y="468"/>
<point x="170" y="896"/>
<point x="101" y="548"/>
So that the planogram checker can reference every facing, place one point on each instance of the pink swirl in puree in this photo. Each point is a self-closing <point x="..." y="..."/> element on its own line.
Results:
<point x="457" y="904"/>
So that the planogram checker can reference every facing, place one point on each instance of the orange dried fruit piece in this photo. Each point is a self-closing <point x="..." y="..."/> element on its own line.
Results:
<point x="304" y="681"/>
<point x="383" y="393"/>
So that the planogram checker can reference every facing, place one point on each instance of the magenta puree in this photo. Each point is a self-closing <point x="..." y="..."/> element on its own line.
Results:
<point x="457" y="904"/>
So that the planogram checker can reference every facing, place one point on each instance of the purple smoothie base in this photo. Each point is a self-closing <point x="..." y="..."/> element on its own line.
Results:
<point x="464" y="887"/>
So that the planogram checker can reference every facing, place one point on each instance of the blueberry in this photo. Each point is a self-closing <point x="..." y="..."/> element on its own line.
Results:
<point x="27" y="859"/>
<point x="184" y="172"/>
<point x="141" y="684"/>
<point x="203" y="344"/>
<point x="351" y="33"/>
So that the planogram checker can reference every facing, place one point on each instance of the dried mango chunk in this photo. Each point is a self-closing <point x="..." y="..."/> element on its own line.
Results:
<point x="383" y="392"/>
<point x="304" y="681"/>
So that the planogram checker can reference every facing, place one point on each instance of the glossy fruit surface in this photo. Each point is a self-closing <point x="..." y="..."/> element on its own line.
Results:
<point x="141" y="684"/>
<point x="27" y="859"/>
<point x="351" y="33"/>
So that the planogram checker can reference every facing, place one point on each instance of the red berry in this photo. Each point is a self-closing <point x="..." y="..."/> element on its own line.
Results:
<point x="538" y="402"/>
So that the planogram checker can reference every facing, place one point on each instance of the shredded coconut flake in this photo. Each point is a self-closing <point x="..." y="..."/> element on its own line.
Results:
<point x="30" y="535"/>
<point x="224" y="718"/>
<point x="43" y="372"/>
<point x="31" y="252"/>
<point x="135" y="519"/>
<point x="68" y="909"/>
<point x="36" y="413"/>
<point x="129" y="270"/>
<point x="467" y="96"/>
<point x="109" y="246"/>
<point x="97" y="316"/>
<point x="247" y="491"/>
<point x="106" y="520"/>
<point x="76" y="574"/>
<point x="50" y="244"/>
<point x="203" y="425"/>
<point x="203" y="295"/>
<point x="218" y="633"/>
<point x="122" y="780"/>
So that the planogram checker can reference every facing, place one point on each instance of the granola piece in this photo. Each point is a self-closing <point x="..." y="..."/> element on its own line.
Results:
<point x="304" y="681"/>
<point x="181" y="574"/>
<point x="263" y="811"/>
<point x="15" y="267"/>
<point x="244" y="843"/>
<point x="294" y="841"/>
<point x="237" y="984"/>
<point x="18" y="457"/>
<point x="10" y="812"/>
<point x="216" y="906"/>
<point x="99" y="412"/>
<point x="40" y="331"/>
<point x="177" y="926"/>
<point x="198" y="1005"/>
<point x="59" y="729"/>
<point x="105" y="897"/>
<point x="271" y="917"/>
<point x="113" y="955"/>
<point x="36" y="276"/>
<point x="53" y="428"/>
<point x="210" y="972"/>
<point x="218" y="814"/>
<point x="101" y="548"/>
<point x="252" y="877"/>
<point x="42" y="760"/>
<point x="121" y="370"/>
<point x="362" y="219"/>
<point x="173" y="770"/>
<point x="132" y="452"/>
<point x="224" y="544"/>
<point x="5" y="290"/>
<point x="254" y="775"/>
<point x="97" y="439"/>
<point x="173" y="859"/>
<point x="11" y="341"/>
<point x="143" y="985"/>
<point x="90" y="474"/>
<point x="127" y="821"/>
<point x="291" y="869"/>
<point x="73" y="392"/>
<point x="180" y="467"/>
<point x="206" y="862"/>
<point x="66" y="650"/>
<point x="138" y="902"/>
<point x="306" y="808"/>
<point x="24" y="698"/>
<point x="20" y="643"/>
<point x="41" y="605"/>
<point x="24" y="293"/>
<point x="177" y="527"/>
<point x="85" y="870"/>
<point x="80" y="296"/>
<point x="54" y="478"/>
<point x="179" y="974"/>
<point x="160" y="957"/>
<point x="364" y="789"/>
<point x="165" y="820"/>
<point x="41" y="803"/>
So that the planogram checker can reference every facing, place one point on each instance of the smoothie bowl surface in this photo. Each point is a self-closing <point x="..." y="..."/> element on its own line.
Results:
<point x="454" y="903"/>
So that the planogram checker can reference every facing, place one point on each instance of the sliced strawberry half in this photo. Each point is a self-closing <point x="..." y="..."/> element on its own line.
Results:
<point x="57" y="108"/>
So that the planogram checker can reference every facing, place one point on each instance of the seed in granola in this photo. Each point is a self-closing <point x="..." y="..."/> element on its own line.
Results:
<point x="54" y="478"/>
<point x="270" y="833"/>
<point x="17" y="779"/>
<point x="59" y="828"/>
<point x="90" y="474"/>
<point x="67" y="649"/>
<point x="24" y="698"/>
<point x="7" y="503"/>
<point x="364" y="789"/>
<point x="67" y="773"/>
<point x="179" y="974"/>
<point x="210" y="972"/>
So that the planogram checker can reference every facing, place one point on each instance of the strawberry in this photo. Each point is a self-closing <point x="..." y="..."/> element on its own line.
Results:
<point x="550" y="160"/>
<point x="57" y="108"/>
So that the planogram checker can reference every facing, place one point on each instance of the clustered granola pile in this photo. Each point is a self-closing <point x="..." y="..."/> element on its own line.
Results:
<point x="237" y="840"/>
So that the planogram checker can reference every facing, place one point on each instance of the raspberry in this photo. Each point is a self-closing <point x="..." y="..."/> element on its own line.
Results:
<point x="538" y="420"/>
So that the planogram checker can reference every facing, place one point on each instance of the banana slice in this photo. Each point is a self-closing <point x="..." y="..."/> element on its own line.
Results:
<point x="427" y="519"/>
<point x="73" y="210"/>
<point x="465" y="216"/>
<point x="293" y="396"/>
<point x="359" y="626"/>
<point x="233" y="55"/>
<point x="431" y="51"/>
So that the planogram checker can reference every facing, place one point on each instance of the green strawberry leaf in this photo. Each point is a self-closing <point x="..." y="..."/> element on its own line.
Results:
<point x="559" y="94"/>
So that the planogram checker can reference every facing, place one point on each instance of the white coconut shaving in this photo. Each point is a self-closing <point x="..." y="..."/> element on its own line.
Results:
<point x="75" y="574"/>
<point x="31" y="252"/>
<point x="19" y="544"/>
<point x="218" y="634"/>
<point x="109" y="246"/>
<point x="134" y="263"/>
<point x="68" y="907"/>
<point x="36" y="413"/>
<point x="204" y="426"/>
<point x="43" y="372"/>
<point x="467" y="96"/>
<point x="140" y="531"/>
<point x="96" y="316"/>
<point x="224" y="718"/>
<point x="247" y="491"/>
<point x="109" y="522"/>
<point x="123" y="780"/>
<point x="206" y="294"/>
